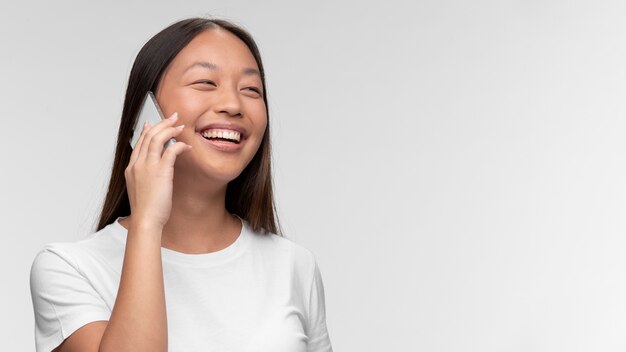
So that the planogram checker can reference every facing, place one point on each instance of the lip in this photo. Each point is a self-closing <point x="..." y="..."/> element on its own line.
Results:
<point x="226" y="126"/>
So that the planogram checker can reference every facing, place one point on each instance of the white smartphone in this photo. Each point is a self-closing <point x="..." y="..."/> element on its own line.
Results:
<point x="151" y="112"/>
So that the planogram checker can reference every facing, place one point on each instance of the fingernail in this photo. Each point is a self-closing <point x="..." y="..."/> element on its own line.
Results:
<point x="174" y="116"/>
<point x="180" y="127"/>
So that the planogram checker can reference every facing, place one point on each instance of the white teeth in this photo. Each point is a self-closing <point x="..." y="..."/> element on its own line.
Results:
<point x="225" y="134"/>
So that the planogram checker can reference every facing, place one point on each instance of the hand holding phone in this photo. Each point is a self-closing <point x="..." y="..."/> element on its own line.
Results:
<point x="150" y="112"/>
<point x="150" y="171"/>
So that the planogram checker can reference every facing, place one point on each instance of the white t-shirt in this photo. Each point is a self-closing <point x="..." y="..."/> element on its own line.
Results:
<point x="263" y="293"/>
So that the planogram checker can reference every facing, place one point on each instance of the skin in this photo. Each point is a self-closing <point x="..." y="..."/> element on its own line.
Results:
<point x="177" y="197"/>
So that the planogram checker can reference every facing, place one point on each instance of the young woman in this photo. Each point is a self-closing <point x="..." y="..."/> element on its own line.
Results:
<point x="187" y="255"/>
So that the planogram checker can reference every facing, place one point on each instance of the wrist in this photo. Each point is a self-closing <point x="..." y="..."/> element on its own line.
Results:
<point x="145" y="227"/>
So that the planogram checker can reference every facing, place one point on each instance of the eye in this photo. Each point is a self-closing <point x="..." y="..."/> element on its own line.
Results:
<point x="207" y="82"/>
<point x="254" y="89"/>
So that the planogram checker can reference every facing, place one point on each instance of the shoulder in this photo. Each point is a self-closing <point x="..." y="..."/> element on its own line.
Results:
<point x="286" y="250"/>
<point x="66" y="287"/>
<point x="99" y="246"/>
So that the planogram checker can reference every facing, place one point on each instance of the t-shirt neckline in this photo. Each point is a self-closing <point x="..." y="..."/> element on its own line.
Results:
<point x="203" y="259"/>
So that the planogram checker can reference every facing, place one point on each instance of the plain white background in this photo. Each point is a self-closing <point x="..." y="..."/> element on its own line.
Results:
<point x="457" y="167"/>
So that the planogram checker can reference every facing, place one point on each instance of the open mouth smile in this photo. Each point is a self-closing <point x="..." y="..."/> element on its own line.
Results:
<point x="222" y="139"/>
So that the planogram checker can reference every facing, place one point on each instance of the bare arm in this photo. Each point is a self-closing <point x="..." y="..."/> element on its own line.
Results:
<point x="138" y="321"/>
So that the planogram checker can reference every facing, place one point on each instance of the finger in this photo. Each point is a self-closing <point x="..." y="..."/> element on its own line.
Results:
<point x="143" y="153"/>
<point x="157" y="143"/>
<point x="135" y="153"/>
<point x="174" y="150"/>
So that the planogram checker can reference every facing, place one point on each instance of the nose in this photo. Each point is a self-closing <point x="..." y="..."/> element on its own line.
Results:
<point x="228" y="102"/>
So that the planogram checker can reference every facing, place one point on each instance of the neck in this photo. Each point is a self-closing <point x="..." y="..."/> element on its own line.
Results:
<point x="199" y="221"/>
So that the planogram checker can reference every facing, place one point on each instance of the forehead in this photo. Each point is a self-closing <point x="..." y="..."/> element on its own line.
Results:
<point x="217" y="46"/>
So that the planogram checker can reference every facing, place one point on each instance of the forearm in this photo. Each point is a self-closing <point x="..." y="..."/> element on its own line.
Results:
<point x="138" y="321"/>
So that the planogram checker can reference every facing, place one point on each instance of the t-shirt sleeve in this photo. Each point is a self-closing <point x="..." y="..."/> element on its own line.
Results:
<point x="63" y="300"/>
<point x="319" y="341"/>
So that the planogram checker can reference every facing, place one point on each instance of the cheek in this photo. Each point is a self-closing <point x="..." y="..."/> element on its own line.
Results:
<point x="184" y="102"/>
<point x="262" y="126"/>
<point x="260" y="119"/>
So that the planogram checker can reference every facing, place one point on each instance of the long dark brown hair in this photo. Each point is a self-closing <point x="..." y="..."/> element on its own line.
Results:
<point x="250" y="195"/>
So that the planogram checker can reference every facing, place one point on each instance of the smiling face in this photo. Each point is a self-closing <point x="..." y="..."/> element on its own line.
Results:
<point x="214" y="85"/>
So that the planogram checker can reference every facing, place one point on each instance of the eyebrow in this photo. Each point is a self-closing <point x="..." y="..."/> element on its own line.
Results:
<point x="248" y="71"/>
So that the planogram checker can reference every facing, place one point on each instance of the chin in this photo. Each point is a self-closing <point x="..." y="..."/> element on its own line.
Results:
<point x="223" y="175"/>
<point x="223" y="171"/>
